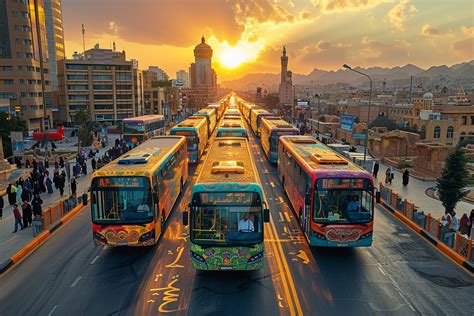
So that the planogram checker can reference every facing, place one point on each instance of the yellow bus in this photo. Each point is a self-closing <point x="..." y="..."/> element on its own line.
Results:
<point x="194" y="128"/>
<point x="132" y="196"/>
<point x="271" y="128"/>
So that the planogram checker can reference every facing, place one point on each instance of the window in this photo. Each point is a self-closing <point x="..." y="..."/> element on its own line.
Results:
<point x="77" y="77"/>
<point x="22" y="81"/>
<point x="450" y="132"/>
<point x="76" y="67"/>
<point x="29" y="55"/>
<point x="103" y="97"/>
<point x="31" y="81"/>
<point x="16" y="27"/>
<point x="26" y="28"/>
<point x="27" y="42"/>
<point x="123" y="67"/>
<point x="7" y="68"/>
<point x="102" y="77"/>
<point x="30" y="68"/>
<point x="77" y="107"/>
<point x="24" y="14"/>
<point x="77" y="87"/>
<point x="8" y="82"/>
<point x="472" y="120"/>
<point x="101" y="67"/>
<point x="124" y="77"/>
<point x="104" y="106"/>
<point x="464" y="120"/>
<point x="437" y="132"/>
<point x="102" y="87"/>
<point x="78" y="97"/>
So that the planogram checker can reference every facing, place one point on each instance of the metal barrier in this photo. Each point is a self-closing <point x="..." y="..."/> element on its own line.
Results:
<point x="459" y="243"/>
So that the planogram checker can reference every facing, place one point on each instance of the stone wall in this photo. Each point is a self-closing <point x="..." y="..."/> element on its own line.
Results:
<point x="393" y="144"/>
<point x="431" y="158"/>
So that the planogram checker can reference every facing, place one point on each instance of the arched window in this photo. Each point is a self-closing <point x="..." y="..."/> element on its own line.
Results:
<point x="437" y="132"/>
<point x="450" y="132"/>
<point x="462" y="136"/>
<point x="415" y="128"/>
<point x="423" y="128"/>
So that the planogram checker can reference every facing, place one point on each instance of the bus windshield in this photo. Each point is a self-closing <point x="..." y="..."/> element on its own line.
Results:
<point x="227" y="218"/>
<point x="134" y="127"/>
<point x="191" y="139"/>
<point x="343" y="201"/>
<point x="276" y="135"/>
<point x="121" y="200"/>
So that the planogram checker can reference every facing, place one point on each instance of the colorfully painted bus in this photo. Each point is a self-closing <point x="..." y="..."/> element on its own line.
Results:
<point x="231" y="128"/>
<point x="219" y="107"/>
<point x="256" y="119"/>
<point x="227" y="210"/>
<point x="141" y="128"/>
<point x="332" y="197"/>
<point x="132" y="196"/>
<point x="194" y="128"/>
<point x="232" y="113"/>
<point x="271" y="128"/>
<point x="246" y="110"/>
<point x="211" y="116"/>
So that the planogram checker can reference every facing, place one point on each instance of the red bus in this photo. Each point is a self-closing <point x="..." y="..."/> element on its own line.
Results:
<point x="332" y="197"/>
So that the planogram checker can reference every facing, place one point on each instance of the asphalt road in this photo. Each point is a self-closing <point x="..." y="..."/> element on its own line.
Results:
<point x="400" y="274"/>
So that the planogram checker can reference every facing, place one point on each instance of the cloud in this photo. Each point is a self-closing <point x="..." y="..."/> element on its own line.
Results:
<point x="323" y="55"/>
<point x="399" y="13"/>
<point x="328" y="6"/>
<point x="464" y="48"/>
<point x="428" y="30"/>
<point x="468" y="30"/>
<point x="375" y="52"/>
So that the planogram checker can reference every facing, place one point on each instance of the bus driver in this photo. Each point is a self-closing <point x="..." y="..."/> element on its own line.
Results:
<point x="245" y="224"/>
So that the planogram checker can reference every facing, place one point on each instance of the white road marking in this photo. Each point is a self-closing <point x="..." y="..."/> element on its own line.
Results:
<point x="281" y="217"/>
<point x="399" y="290"/>
<point x="76" y="281"/>
<point x="287" y="217"/>
<point x="281" y="199"/>
<point x="52" y="310"/>
<point x="94" y="260"/>
<point x="381" y="271"/>
<point x="272" y="184"/>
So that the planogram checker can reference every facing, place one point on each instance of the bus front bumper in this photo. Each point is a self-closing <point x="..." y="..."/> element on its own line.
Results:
<point x="227" y="259"/>
<point x="318" y="240"/>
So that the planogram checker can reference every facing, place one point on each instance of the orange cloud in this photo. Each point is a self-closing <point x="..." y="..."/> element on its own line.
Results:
<point x="399" y="13"/>
<point x="428" y="30"/>
<point x="329" y="6"/>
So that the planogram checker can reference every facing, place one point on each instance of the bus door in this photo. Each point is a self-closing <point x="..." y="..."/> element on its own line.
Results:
<point x="306" y="216"/>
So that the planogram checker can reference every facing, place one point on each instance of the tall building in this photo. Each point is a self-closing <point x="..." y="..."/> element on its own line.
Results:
<point x="183" y="76"/>
<point x="161" y="75"/>
<point x="203" y="78"/>
<point x="102" y="82"/>
<point x="55" y="38"/>
<point x="286" y="84"/>
<point x="25" y="81"/>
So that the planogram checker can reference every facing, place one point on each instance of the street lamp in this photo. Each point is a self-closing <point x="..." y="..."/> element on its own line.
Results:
<point x="368" y="111"/>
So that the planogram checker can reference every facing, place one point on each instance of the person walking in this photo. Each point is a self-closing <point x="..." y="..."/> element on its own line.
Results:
<point x="61" y="162"/>
<point x="73" y="186"/>
<point x="46" y="162"/>
<point x="49" y="185"/>
<point x="61" y="182"/>
<point x="17" y="215"/>
<point x="27" y="214"/>
<point x="406" y="177"/>
<point x="36" y="204"/>
<point x="2" y="204"/>
<point x="84" y="168"/>
<point x="19" y="193"/>
<point x="387" y="176"/>
<point x="25" y="195"/>
<point x="471" y="225"/>
<point x="11" y="193"/>
<point x="93" y="164"/>
<point x="464" y="224"/>
<point x="376" y="169"/>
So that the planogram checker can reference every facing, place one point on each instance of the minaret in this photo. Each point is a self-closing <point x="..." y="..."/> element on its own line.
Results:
<point x="284" y="65"/>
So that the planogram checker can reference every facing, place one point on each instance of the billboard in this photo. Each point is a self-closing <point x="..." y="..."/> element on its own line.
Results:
<point x="346" y="122"/>
<point x="18" y="145"/>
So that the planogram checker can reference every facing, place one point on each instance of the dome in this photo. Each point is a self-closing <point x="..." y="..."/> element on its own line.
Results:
<point x="428" y="95"/>
<point x="203" y="51"/>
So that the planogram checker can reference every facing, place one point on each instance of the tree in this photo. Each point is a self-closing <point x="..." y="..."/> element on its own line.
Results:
<point x="384" y="121"/>
<point x="453" y="179"/>
<point x="9" y="124"/>
<point x="84" y="120"/>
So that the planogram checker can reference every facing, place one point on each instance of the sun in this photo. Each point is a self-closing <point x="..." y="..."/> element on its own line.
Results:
<point x="232" y="57"/>
<point x="242" y="52"/>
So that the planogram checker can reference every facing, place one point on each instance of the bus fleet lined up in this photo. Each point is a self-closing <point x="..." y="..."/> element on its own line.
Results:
<point x="333" y="199"/>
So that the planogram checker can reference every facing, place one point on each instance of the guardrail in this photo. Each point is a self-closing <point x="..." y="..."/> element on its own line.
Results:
<point x="441" y="236"/>
<point x="55" y="212"/>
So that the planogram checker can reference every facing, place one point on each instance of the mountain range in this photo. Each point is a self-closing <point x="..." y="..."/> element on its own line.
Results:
<point x="320" y="77"/>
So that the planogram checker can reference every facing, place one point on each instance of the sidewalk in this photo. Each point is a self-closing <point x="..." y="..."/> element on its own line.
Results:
<point x="415" y="193"/>
<point x="11" y="243"/>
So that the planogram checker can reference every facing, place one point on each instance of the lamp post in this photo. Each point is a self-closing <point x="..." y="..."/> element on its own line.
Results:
<point x="368" y="111"/>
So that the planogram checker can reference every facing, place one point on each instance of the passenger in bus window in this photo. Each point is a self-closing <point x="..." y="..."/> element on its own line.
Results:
<point x="245" y="224"/>
<point x="143" y="207"/>
<point x="353" y="205"/>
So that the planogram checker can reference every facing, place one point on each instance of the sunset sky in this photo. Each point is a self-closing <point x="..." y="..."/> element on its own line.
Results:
<point x="247" y="35"/>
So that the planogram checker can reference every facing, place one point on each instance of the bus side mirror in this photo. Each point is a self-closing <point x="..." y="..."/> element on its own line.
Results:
<point x="266" y="215"/>
<point x="377" y="196"/>
<point x="185" y="218"/>
<point x="307" y="198"/>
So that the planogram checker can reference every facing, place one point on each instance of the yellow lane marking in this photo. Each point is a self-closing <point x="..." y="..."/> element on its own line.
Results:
<point x="286" y="268"/>
<point x="281" y="217"/>
<point x="287" y="216"/>
<point x="281" y="199"/>
<point x="272" y="184"/>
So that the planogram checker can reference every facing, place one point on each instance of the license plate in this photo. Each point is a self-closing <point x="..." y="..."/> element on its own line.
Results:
<point x="122" y="244"/>
<point x="342" y="245"/>
<point x="227" y="268"/>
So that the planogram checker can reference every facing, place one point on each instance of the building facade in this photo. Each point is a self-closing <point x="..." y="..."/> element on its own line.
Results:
<point x="183" y="76"/>
<point x="286" y="82"/>
<point x="25" y="82"/>
<point x="102" y="82"/>
<point x="55" y="38"/>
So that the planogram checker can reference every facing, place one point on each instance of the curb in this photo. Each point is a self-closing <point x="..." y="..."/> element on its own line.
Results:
<point x="441" y="247"/>
<point x="38" y="240"/>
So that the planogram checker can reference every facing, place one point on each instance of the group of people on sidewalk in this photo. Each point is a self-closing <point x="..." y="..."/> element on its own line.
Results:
<point x="450" y="223"/>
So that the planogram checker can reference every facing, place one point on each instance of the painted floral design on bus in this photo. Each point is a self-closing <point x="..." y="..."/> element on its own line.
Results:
<point x="227" y="258"/>
<point x="129" y="235"/>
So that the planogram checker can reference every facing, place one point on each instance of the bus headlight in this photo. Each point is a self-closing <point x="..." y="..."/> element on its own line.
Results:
<point x="149" y="235"/>
<point x="100" y="237"/>
<point x="319" y="236"/>
<point x="257" y="257"/>
<point x="197" y="257"/>
<point x="366" y="235"/>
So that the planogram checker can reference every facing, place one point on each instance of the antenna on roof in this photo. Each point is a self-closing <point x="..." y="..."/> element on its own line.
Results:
<point x="83" y="40"/>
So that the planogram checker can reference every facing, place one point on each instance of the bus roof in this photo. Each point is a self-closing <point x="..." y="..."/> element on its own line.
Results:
<point x="277" y="122"/>
<point x="260" y="111"/>
<point x="144" y="118"/>
<point x="144" y="159"/>
<point x="229" y="160"/>
<point x="190" y="122"/>
<point x="205" y="111"/>
<point x="232" y="123"/>
<point x="319" y="158"/>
